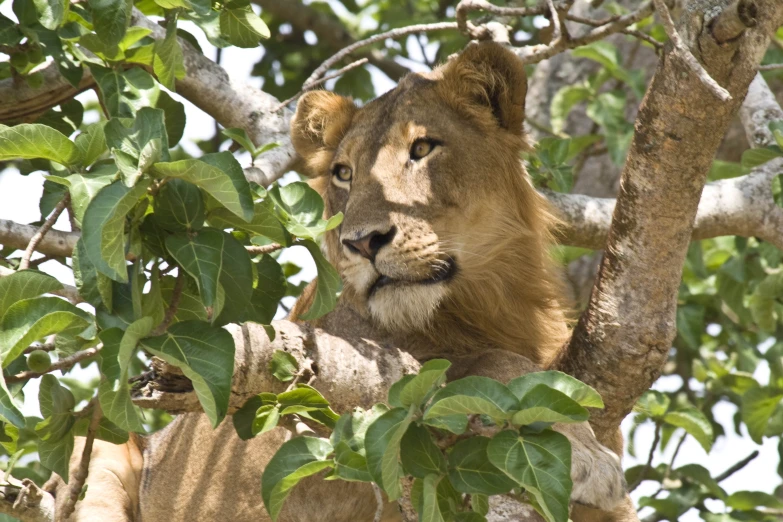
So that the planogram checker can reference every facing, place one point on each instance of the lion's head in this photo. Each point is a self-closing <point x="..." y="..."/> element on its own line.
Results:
<point x="443" y="233"/>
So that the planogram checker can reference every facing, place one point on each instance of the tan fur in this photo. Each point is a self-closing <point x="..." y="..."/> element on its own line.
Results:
<point x="468" y="204"/>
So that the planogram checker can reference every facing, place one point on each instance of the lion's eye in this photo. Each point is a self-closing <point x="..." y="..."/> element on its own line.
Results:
<point x="342" y="172"/>
<point x="421" y="148"/>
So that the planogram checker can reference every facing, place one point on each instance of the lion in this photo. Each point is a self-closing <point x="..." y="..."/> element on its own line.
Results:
<point x="443" y="251"/>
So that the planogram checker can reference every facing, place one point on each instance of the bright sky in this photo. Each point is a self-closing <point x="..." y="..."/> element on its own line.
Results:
<point x="19" y="197"/>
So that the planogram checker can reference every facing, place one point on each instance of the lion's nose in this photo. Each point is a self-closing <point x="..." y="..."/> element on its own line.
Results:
<point x="369" y="245"/>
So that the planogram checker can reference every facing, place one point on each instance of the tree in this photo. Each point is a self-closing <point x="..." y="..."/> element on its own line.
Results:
<point x="674" y="292"/>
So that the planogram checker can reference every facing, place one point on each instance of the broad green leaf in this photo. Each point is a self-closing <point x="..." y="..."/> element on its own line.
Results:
<point x="270" y="288"/>
<point x="298" y="458"/>
<point x="470" y="470"/>
<point x="32" y="319"/>
<point x="473" y="395"/>
<point x="107" y="430"/>
<point x="431" y="509"/>
<point x="241" y="137"/>
<point x="695" y="423"/>
<point x="747" y="500"/>
<point x="300" y="209"/>
<point x="93" y="286"/>
<point x="112" y="85"/>
<point x="175" y="117"/>
<point x="431" y="375"/>
<point x="541" y="463"/>
<point x="563" y="101"/>
<point x="33" y="140"/>
<point x="653" y="404"/>
<point x="419" y="454"/>
<point x="456" y="424"/>
<point x="111" y="19"/>
<point x="758" y="405"/>
<point x="103" y="230"/>
<point x="236" y="279"/>
<point x="264" y="223"/>
<point x="564" y="383"/>
<point x="602" y="52"/>
<point x="301" y="398"/>
<point x="245" y="416"/>
<point x="56" y="404"/>
<point x="219" y="175"/>
<point x="243" y="27"/>
<point x="479" y="504"/>
<point x="201" y="256"/>
<point x="9" y="410"/>
<point x="56" y="454"/>
<point x="24" y="285"/>
<point x="351" y="428"/>
<point x="350" y="465"/>
<point x="266" y="419"/>
<point x="137" y="147"/>
<point x="396" y="389"/>
<point x="168" y="63"/>
<point x="52" y="13"/>
<point x="382" y="444"/>
<point x="283" y="365"/>
<point x="114" y="391"/>
<point x="545" y="404"/>
<point x="205" y="355"/>
<point x="85" y="186"/>
<point x="752" y="158"/>
<point x="328" y="284"/>
<point x="701" y="475"/>
<point x="763" y="302"/>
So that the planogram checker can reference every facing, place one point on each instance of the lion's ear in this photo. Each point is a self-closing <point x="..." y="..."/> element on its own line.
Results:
<point x="320" y="122"/>
<point x="487" y="81"/>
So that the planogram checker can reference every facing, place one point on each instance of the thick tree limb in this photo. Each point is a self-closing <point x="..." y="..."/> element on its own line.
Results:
<point x="24" y="103"/>
<point x="26" y="501"/>
<point x="329" y="31"/>
<point x="623" y="338"/>
<point x="55" y="242"/>
<point x="759" y="109"/>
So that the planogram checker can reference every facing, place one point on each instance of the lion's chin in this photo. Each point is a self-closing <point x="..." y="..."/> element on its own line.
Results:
<point x="406" y="307"/>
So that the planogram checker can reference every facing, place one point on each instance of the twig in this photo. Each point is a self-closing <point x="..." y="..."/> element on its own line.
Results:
<point x="47" y="347"/>
<point x="394" y="33"/>
<point x="379" y="501"/>
<point x="736" y="467"/>
<point x="41" y="260"/>
<point x="771" y="67"/>
<point x="24" y="264"/>
<point x="316" y="83"/>
<point x="80" y="475"/>
<point x="171" y="311"/>
<point x="558" y="31"/>
<point x="481" y="32"/>
<point x="648" y="465"/>
<point x="63" y="364"/>
<point x="686" y="55"/>
<point x="630" y="32"/>
<point x="265" y="249"/>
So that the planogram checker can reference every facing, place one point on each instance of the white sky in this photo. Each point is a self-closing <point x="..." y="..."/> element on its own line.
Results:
<point x="19" y="196"/>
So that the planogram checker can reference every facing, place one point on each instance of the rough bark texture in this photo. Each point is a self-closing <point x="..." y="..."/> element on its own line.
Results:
<point x="622" y="341"/>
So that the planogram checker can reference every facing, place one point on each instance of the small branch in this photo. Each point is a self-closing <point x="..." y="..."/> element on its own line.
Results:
<point x="394" y="33"/>
<point x="759" y="109"/>
<point x="80" y="475"/>
<point x="685" y="54"/>
<point x="46" y="347"/>
<point x="56" y="242"/>
<point x="732" y="22"/>
<point x="630" y="32"/>
<point x="736" y="467"/>
<point x="24" y="264"/>
<point x="481" y="32"/>
<point x="266" y="249"/>
<point x="558" y="30"/>
<point x="25" y="501"/>
<point x="379" y="502"/>
<point x="771" y="67"/>
<point x="171" y="311"/>
<point x="648" y="464"/>
<point x="316" y="83"/>
<point x="63" y="364"/>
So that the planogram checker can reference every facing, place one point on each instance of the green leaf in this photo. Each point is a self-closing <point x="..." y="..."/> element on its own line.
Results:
<point x="328" y="284"/>
<point x="431" y="375"/>
<point x="33" y="140"/>
<point x="56" y="454"/>
<point x="431" y="510"/>
<point x="752" y="158"/>
<point x="382" y="444"/>
<point x="245" y="416"/>
<point x="241" y="137"/>
<point x="563" y="101"/>
<point x="31" y="319"/>
<point x="243" y="27"/>
<point x="266" y="419"/>
<point x="541" y="463"/>
<point x="395" y="390"/>
<point x="91" y="143"/>
<point x="168" y="62"/>
<point x="270" y="288"/>
<point x="111" y="19"/>
<point x="24" y="285"/>
<point x="701" y="475"/>
<point x="758" y="405"/>
<point x="205" y="354"/>
<point x="605" y="53"/>
<point x="52" y="13"/>
<point x="103" y="230"/>
<point x="236" y="278"/>
<point x="763" y="302"/>
<point x="201" y="256"/>
<point x="264" y="223"/>
<point x="419" y="454"/>
<point x="174" y="116"/>
<point x="56" y="404"/>
<point x="85" y="186"/>
<point x="9" y="410"/>
<point x="479" y="504"/>
<point x="302" y="398"/>
<point x="580" y="392"/>
<point x="470" y="470"/>
<point x="653" y="404"/>
<point x="456" y="424"/>
<point x="112" y="85"/>
<point x="350" y="465"/>
<point x="219" y="175"/>
<point x="138" y="147"/>
<point x="695" y="423"/>
<point x="283" y="365"/>
<point x="747" y="500"/>
<point x="296" y="459"/>
<point x="93" y="286"/>
<point x="300" y="209"/>
<point x="351" y="428"/>
<point x="545" y="404"/>
<point x="473" y="395"/>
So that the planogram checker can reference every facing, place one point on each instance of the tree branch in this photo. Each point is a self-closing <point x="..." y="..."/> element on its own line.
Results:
<point x="623" y="339"/>
<point x="24" y="264"/>
<point x="26" y="501"/>
<point x="55" y="243"/>
<point x="80" y="475"/>
<point x="65" y="363"/>
<point x="329" y="31"/>
<point x="759" y="109"/>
